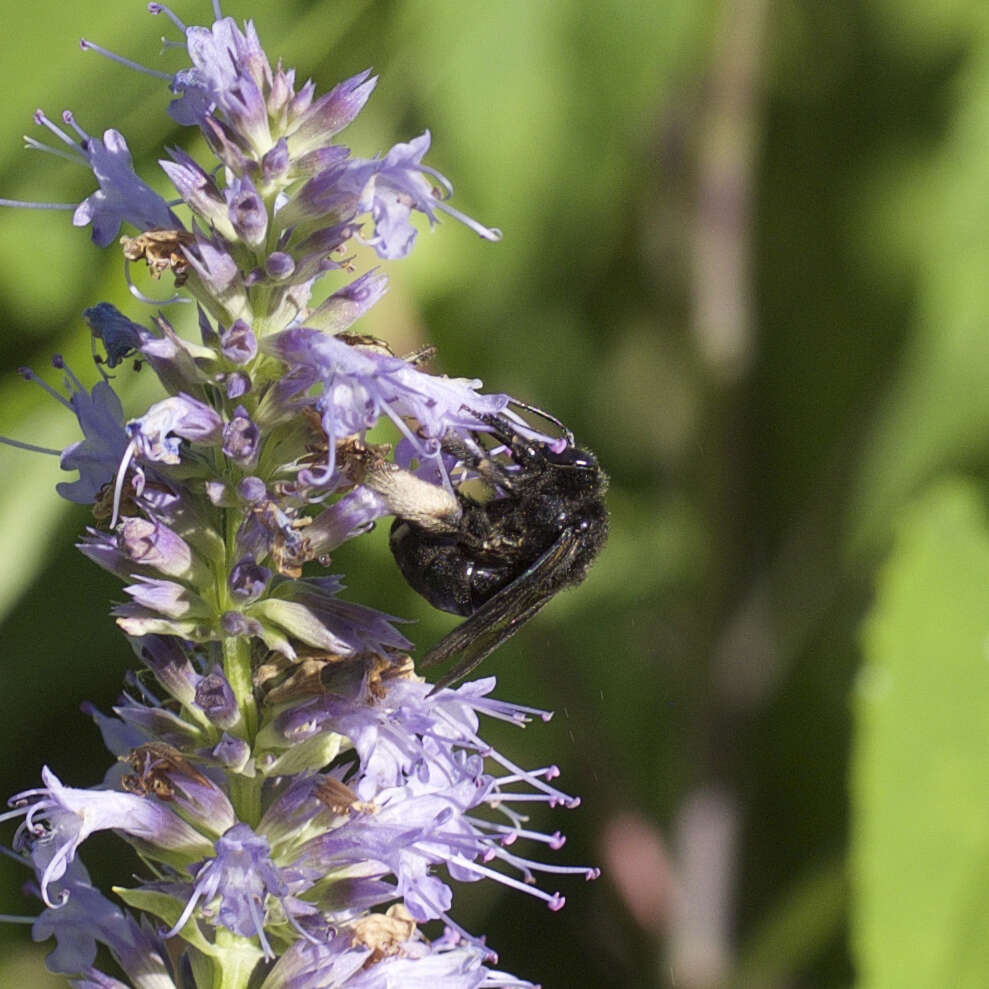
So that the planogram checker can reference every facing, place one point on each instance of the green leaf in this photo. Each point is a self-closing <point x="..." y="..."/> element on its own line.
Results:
<point x="313" y="753"/>
<point x="920" y="775"/>
<point x="168" y="909"/>
<point x="934" y="215"/>
<point x="225" y="964"/>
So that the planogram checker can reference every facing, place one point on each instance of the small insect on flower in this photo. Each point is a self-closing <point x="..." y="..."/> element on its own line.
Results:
<point x="496" y="561"/>
<point x="162" y="249"/>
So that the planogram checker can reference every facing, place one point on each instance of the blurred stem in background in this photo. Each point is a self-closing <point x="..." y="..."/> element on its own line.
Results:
<point x="723" y="321"/>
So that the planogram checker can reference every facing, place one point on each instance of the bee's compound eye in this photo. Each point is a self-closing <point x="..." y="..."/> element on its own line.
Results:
<point x="573" y="456"/>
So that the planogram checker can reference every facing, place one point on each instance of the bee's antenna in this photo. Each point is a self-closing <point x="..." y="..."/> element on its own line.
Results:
<point x="508" y="426"/>
<point x="518" y="403"/>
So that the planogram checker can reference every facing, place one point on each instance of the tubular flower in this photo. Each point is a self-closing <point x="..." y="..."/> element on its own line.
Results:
<point x="301" y="802"/>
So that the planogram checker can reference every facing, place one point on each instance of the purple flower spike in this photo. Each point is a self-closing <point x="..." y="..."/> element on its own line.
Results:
<point x="300" y="799"/>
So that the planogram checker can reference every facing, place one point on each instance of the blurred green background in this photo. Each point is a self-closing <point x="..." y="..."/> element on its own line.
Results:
<point x="745" y="257"/>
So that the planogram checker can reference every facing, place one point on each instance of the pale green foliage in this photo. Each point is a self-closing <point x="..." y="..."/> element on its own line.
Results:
<point x="920" y="786"/>
<point x="933" y="214"/>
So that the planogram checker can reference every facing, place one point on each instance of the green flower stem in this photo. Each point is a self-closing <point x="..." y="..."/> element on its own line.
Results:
<point x="237" y="669"/>
<point x="245" y="793"/>
<point x="237" y="958"/>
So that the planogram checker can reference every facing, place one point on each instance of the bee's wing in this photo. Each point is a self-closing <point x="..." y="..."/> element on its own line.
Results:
<point x="502" y="615"/>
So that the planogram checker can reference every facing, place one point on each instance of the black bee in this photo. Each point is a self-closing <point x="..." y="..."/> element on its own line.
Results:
<point x="496" y="560"/>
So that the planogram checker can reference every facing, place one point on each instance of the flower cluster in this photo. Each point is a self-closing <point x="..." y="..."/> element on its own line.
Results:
<point x="298" y="799"/>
